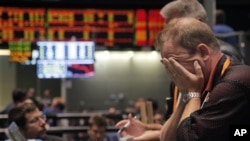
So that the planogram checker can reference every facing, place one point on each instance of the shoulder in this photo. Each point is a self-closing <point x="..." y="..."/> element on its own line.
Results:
<point x="112" y="137"/>
<point x="234" y="84"/>
<point x="239" y="74"/>
<point x="53" y="138"/>
<point x="231" y="51"/>
<point x="238" y="70"/>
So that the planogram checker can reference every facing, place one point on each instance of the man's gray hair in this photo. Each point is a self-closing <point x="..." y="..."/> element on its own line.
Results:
<point x="184" y="8"/>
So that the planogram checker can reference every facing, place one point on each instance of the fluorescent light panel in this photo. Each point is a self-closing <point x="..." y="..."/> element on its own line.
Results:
<point x="4" y="52"/>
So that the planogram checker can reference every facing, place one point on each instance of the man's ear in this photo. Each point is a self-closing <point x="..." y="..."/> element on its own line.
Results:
<point x="203" y="50"/>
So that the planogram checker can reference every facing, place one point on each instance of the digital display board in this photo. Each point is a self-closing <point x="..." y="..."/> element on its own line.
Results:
<point x="19" y="28"/>
<point x="111" y="28"/>
<point x="21" y="24"/>
<point x="65" y="59"/>
<point x="105" y="27"/>
<point x="20" y="51"/>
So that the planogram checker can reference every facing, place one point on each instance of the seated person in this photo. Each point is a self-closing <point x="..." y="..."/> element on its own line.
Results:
<point x="31" y="122"/>
<point x="57" y="106"/>
<point x="97" y="130"/>
<point x="18" y="96"/>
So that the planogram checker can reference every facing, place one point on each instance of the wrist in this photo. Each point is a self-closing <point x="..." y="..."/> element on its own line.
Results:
<point x="187" y="97"/>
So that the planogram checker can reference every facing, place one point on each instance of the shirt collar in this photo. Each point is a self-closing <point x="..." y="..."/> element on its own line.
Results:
<point x="215" y="73"/>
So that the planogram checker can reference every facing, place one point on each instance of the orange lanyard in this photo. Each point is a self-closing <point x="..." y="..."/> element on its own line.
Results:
<point x="175" y="97"/>
<point x="225" y="66"/>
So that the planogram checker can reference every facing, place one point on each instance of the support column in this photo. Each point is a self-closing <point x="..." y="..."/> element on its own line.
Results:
<point x="210" y="6"/>
<point x="7" y="80"/>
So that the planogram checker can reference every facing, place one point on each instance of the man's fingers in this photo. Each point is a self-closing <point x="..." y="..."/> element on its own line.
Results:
<point x="198" y="69"/>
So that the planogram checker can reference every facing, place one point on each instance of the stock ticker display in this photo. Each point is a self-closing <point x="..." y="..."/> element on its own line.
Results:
<point x="65" y="59"/>
<point x="21" y="27"/>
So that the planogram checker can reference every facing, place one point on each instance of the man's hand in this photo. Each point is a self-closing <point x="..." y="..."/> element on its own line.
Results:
<point x="135" y="128"/>
<point x="183" y="78"/>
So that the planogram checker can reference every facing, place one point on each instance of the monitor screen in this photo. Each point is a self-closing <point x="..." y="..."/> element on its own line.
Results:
<point x="65" y="59"/>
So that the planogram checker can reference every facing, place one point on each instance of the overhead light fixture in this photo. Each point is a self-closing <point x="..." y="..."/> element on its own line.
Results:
<point x="4" y="52"/>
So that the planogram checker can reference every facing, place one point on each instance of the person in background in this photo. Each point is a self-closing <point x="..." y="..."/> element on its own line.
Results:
<point x="137" y="107"/>
<point x="214" y="95"/>
<point x="47" y="98"/>
<point x="193" y="8"/>
<point x="31" y="94"/>
<point x="57" y="106"/>
<point x="157" y="114"/>
<point x="18" y="96"/>
<point x="111" y="111"/>
<point x="97" y="128"/>
<point x="97" y="125"/>
<point x="158" y="118"/>
<point x="221" y="28"/>
<point x="31" y="122"/>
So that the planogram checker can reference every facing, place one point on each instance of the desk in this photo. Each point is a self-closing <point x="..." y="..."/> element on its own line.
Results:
<point x="60" y="130"/>
<point x="115" y="117"/>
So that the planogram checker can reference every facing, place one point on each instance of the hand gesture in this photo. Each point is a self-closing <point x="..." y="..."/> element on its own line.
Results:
<point x="135" y="127"/>
<point x="183" y="78"/>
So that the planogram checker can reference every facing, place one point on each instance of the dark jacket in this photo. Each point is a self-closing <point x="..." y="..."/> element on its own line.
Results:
<point x="53" y="138"/>
<point x="227" y="106"/>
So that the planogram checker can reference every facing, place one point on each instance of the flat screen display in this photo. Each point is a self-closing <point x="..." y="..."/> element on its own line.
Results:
<point x="65" y="59"/>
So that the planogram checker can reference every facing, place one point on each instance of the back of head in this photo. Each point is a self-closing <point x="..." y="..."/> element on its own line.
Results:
<point x="187" y="32"/>
<point x="184" y="8"/>
<point x="98" y="120"/>
<point x="17" y="114"/>
<point x="220" y="16"/>
<point x="18" y="95"/>
<point x="58" y="103"/>
<point x="97" y="128"/>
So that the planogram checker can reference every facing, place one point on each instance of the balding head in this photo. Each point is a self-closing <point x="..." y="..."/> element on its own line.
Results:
<point x="184" y="8"/>
<point x="187" y="32"/>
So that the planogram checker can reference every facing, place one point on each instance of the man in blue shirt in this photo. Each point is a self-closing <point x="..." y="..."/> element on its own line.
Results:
<point x="221" y="28"/>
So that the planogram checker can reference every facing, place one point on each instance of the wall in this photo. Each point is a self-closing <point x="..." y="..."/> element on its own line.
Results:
<point x="7" y="80"/>
<point x="120" y="78"/>
<point x="117" y="74"/>
<point x="26" y="77"/>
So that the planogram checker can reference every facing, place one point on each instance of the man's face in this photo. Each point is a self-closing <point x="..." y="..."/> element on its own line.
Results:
<point x="35" y="125"/>
<point x="96" y="133"/>
<point x="180" y="55"/>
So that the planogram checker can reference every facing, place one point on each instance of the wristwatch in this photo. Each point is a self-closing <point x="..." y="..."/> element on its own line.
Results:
<point x="190" y="95"/>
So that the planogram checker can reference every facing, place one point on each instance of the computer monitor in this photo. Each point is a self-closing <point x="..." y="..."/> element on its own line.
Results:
<point x="65" y="59"/>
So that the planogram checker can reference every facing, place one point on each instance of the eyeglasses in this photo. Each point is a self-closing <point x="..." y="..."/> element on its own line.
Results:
<point x="38" y="119"/>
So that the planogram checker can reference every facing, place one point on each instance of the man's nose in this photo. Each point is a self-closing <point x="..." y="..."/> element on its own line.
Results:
<point x="42" y="121"/>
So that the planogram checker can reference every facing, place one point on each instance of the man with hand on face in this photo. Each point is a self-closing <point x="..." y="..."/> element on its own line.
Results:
<point x="214" y="95"/>
<point x="193" y="8"/>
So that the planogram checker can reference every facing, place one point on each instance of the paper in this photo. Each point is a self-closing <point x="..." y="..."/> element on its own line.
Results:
<point x="13" y="133"/>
